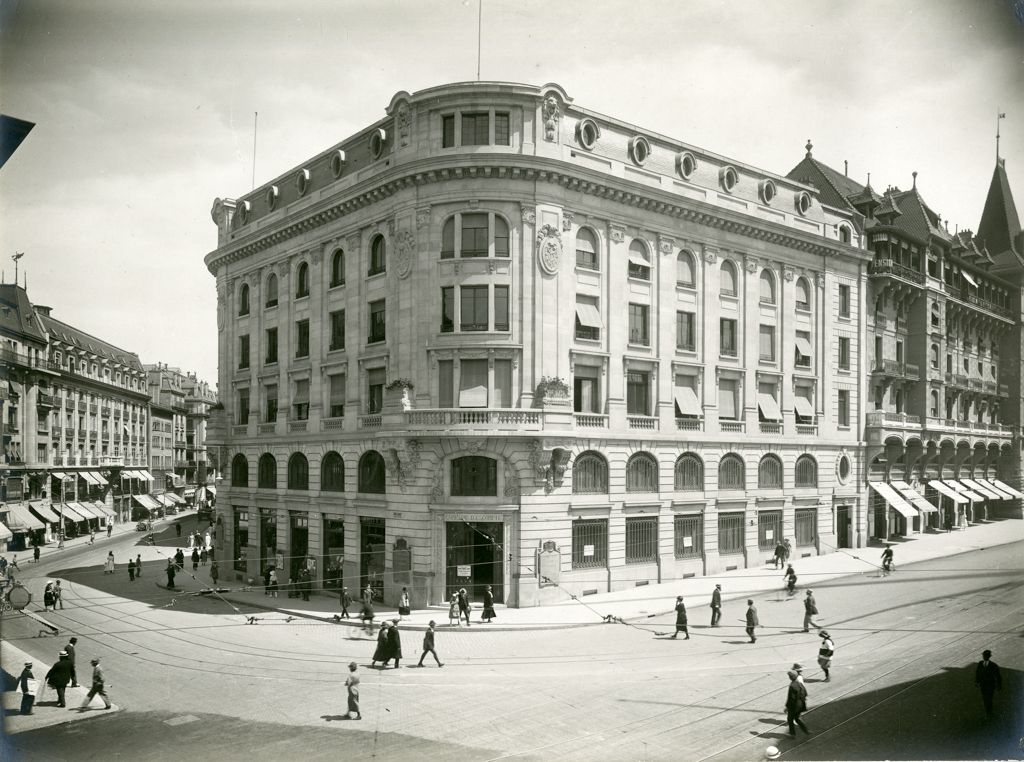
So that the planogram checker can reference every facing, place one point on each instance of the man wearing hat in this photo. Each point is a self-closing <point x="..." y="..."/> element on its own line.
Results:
<point x="796" y="704"/>
<point x="428" y="645"/>
<point x="752" y="620"/>
<point x="825" y="653"/>
<point x="394" y="645"/>
<point x="346" y="601"/>
<point x="988" y="679"/>
<point x="716" y="606"/>
<point x="810" y="609"/>
<point x="97" y="687"/>
<point x="70" y="648"/>
<point x="681" y="618"/>
<point x="28" y="685"/>
<point x="59" y="676"/>
<point x="352" y="684"/>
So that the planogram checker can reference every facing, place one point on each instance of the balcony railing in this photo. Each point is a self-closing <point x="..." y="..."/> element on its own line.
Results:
<point x="897" y="369"/>
<point x="689" y="424"/>
<point x="266" y="428"/>
<point x="12" y="427"/>
<point x="732" y="427"/>
<point x="332" y="424"/>
<point x="45" y="400"/>
<point x="105" y="411"/>
<point x="58" y="460"/>
<point x="643" y="422"/>
<point x="889" y="268"/>
<point x="69" y="432"/>
<point x="513" y="418"/>
<point x="770" y="427"/>
<point x="26" y="360"/>
<point x="887" y="418"/>
<point x="807" y="429"/>
<point x="591" y="421"/>
<point x="240" y="430"/>
<point x="372" y="421"/>
<point x="93" y="407"/>
<point x="294" y="426"/>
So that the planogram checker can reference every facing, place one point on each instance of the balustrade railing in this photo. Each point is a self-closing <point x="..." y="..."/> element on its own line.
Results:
<point x="731" y="427"/>
<point x="689" y="424"/>
<point x="645" y="422"/>
<point x="591" y="421"/>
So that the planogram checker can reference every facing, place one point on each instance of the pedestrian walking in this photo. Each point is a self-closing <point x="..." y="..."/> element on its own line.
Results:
<point x="14" y="563"/>
<point x="171" y="570"/>
<point x="790" y="578"/>
<point x="346" y="601"/>
<point x="110" y="529"/>
<point x="828" y="648"/>
<point x="464" y="605"/>
<point x="35" y="553"/>
<point x="202" y="557"/>
<point x="28" y="685"/>
<point x="272" y="583"/>
<point x="681" y="618"/>
<point x="138" y="565"/>
<point x="428" y="645"/>
<point x="214" y="572"/>
<point x="92" y="536"/>
<point x="177" y="529"/>
<point x="394" y="645"/>
<point x="366" y="613"/>
<point x="352" y="685"/>
<point x="179" y="559"/>
<point x="488" y="612"/>
<point x="131" y="570"/>
<point x="70" y="648"/>
<point x="453" y="612"/>
<point x="789" y="549"/>
<point x="380" y="653"/>
<point x="49" y="599"/>
<point x="780" y="554"/>
<point x="716" y="606"/>
<point x="98" y="687"/>
<point x="59" y="676"/>
<point x="109" y="567"/>
<point x="887" y="562"/>
<point x="799" y="669"/>
<point x="810" y="610"/>
<point x="195" y="560"/>
<point x="752" y="621"/>
<point x="305" y="583"/>
<point x="988" y="679"/>
<point x="58" y="594"/>
<point x="796" y="704"/>
<point x="266" y="579"/>
<point x="404" y="604"/>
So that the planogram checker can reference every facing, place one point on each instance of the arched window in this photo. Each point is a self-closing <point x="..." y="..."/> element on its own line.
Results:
<point x="844" y="234"/>
<point x="474" y="476"/>
<point x="239" y="471"/>
<point x="935" y="356"/>
<point x="728" y="278"/>
<point x="500" y="237"/>
<point x="266" y="472"/>
<point x="803" y="294"/>
<point x="589" y="474"/>
<point x="934" y="404"/>
<point x="332" y="473"/>
<point x="475" y="238"/>
<point x="689" y="473"/>
<point x="378" y="255"/>
<point x="639" y="260"/>
<point x="243" y="300"/>
<point x="731" y="473"/>
<point x="302" y="281"/>
<point x="371" y="473"/>
<point x="338" y="268"/>
<point x="685" y="269"/>
<point x="586" y="250"/>
<point x="806" y="471"/>
<point x="935" y="316"/>
<point x="769" y="472"/>
<point x="271" y="291"/>
<point x="642" y="473"/>
<point x="767" y="285"/>
<point x="298" y="471"/>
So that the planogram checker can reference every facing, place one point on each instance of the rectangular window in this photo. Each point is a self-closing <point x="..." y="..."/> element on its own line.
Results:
<point x="338" y="329"/>
<point x="503" y="383"/>
<point x="501" y="308"/>
<point x="769" y="529"/>
<point x="447" y="309"/>
<point x="336" y="404"/>
<point x="302" y="338"/>
<point x="685" y="397"/>
<point x="241" y="538"/>
<point x="686" y="331"/>
<point x="243" y="409"/>
<point x="806" y="526"/>
<point x="445" y="384"/>
<point x="588" y="319"/>
<point x="501" y="131"/>
<point x="473" y="383"/>
<point x="844" y="352"/>
<point x="844" y="407"/>
<point x="728" y="399"/>
<point x="638" y="324"/>
<point x="766" y="343"/>
<point x="637" y="393"/>
<point x="584" y="393"/>
<point x="473" y="308"/>
<point x="727" y="337"/>
<point x="589" y="543"/>
<point x="689" y="536"/>
<point x="803" y="349"/>
<point x="730" y="533"/>
<point x="475" y="129"/>
<point x="243" y="352"/>
<point x="641" y="539"/>
<point x="803" y="404"/>
<point x="474" y="235"/>
<point x="448" y="131"/>
<point x="844" y="301"/>
<point x="374" y="390"/>
<point x="271" y="410"/>
<point x="271" y="345"/>
<point x="377" y="322"/>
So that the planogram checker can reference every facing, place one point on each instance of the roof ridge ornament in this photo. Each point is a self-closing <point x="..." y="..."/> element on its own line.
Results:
<point x="809" y="146"/>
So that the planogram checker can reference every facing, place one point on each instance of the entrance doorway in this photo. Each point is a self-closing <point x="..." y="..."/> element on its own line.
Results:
<point x="843" y="526"/>
<point x="371" y="555"/>
<point x="474" y="558"/>
<point x="299" y="548"/>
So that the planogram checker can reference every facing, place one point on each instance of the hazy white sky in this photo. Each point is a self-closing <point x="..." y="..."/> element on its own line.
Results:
<point x="144" y="112"/>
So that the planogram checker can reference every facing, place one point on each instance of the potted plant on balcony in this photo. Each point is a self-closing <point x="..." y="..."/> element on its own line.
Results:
<point x="397" y="393"/>
<point x="551" y="390"/>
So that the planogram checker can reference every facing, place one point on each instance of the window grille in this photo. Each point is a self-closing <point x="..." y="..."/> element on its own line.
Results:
<point x="806" y="471"/>
<point x="641" y="539"/>
<point x="769" y="529"/>
<point x="689" y="473"/>
<point x="689" y="536"/>
<point x="731" y="472"/>
<point x="298" y="472"/>
<point x="589" y="474"/>
<point x="267" y="472"/>
<point x="769" y="473"/>
<point x="730" y="533"/>
<point x="589" y="543"/>
<point x="806" y="526"/>
<point x="642" y="473"/>
<point x="332" y="473"/>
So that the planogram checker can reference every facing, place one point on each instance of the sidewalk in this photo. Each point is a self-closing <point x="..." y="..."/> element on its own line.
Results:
<point x="47" y="713"/>
<point x="640" y="603"/>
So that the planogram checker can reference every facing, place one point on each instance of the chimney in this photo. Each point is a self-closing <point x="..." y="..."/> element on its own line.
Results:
<point x="43" y="310"/>
<point x="846" y="168"/>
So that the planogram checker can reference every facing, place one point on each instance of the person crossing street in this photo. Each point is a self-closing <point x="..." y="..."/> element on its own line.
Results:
<point x="810" y="610"/>
<point x="716" y="606"/>
<point x="428" y="645"/>
<point x="681" y="618"/>
<point x="98" y="687"/>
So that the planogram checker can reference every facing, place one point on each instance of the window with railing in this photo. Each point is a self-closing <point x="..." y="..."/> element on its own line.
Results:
<point x="641" y="539"/>
<point x="689" y="535"/>
<point x="639" y="266"/>
<point x="803" y="294"/>
<point x="769" y="529"/>
<point x="586" y="250"/>
<point x="686" y="331"/>
<point x="473" y="308"/>
<point x="730" y="533"/>
<point x="689" y="473"/>
<point x="589" y="543"/>
<point x="686" y="269"/>
<point x="727" y="342"/>
<point x="337" y="330"/>
<point x="727" y="279"/>
<point x="243" y="352"/>
<point x="638" y="325"/>
<point x="590" y="474"/>
<point x="337" y="268"/>
<point x="769" y="472"/>
<point x="638" y="393"/>
<point x="766" y="284"/>
<point x="377" y="322"/>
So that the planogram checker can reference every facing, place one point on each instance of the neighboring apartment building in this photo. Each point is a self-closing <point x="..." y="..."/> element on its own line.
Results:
<point x="497" y="338"/>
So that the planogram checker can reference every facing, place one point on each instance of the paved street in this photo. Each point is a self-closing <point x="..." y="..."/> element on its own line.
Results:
<point x="192" y="677"/>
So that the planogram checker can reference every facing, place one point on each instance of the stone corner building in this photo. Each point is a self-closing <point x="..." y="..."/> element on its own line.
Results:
<point x="498" y="339"/>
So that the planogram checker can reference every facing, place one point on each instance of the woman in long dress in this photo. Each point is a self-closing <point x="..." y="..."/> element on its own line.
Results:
<point x="488" y="613"/>
<point x="109" y="568"/>
<point x="380" y="654"/>
<point x="453" y="612"/>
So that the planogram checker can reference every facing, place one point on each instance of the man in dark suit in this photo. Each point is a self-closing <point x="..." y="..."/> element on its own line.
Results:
<point x="716" y="606"/>
<point x="796" y="704"/>
<point x="987" y="677"/>
<point x="752" y="621"/>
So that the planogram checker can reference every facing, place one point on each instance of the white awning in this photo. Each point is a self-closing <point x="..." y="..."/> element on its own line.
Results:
<point x="769" y="407"/>
<point x="968" y="278"/>
<point x="98" y="478"/>
<point x="21" y="519"/>
<point x="44" y="512"/>
<point x="638" y="259"/>
<point x="803" y="406"/>
<point x="89" y="478"/>
<point x="803" y="346"/>
<point x="962" y="489"/>
<point x="176" y="499"/>
<point x="1003" y="494"/>
<point x="687" y="401"/>
<point x="213" y="490"/>
<point x="86" y="509"/>
<point x="59" y="475"/>
<point x="892" y="498"/>
<point x="146" y="501"/>
<point x="949" y="492"/>
<point x="1008" y="489"/>
<point x="144" y="474"/>
<point x="102" y="508"/>
<point x="588" y="315"/>
<point x="5" y="533"/>
<point x="74" y="513"/>
<point x="915" y="498"/>
<point x="982" y="489"/>
<point x="165" y="501"/>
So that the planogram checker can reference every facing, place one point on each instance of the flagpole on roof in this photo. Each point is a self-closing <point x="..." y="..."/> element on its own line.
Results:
<point x="999" y="116"/>
<point x="479" y="30"/>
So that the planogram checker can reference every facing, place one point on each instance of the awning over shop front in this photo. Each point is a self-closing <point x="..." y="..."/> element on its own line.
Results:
<point x="59" y="475"/>
<point x="949" y="492"/>
<point x="73" y="513"/>
<point x="1003" y="494"/>
<point x="89" y="477"/>
<point x="213" y="490"/>
<point x="969" y="494"/>
<point x="176" y="499"/>
<point x="98" y="478"/>
<point x="5" y="533"/>
<point x="982" y="489"/>
<point x="146" y="501"/>
<point x="1008" y="489"/>
<point x="893" y="499"/>
<point x="103" y="509"/>
<point x="20" y="518"/>
<point x="44" y="512"/>
<point x="144" y="474"/>
<point x="915" y="497"/>
<point x="87" y="509"/>
<point x="164" y="501"/>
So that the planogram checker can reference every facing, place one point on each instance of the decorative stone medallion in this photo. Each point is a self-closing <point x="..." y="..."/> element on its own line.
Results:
<point x="404" y="248"/>
<point x="549" y="249"/>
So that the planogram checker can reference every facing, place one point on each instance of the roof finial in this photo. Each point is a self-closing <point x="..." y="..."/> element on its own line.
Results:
<point x="869" y="179"/>
<point x="914" y="173"/>
<point x="999" y="115"/>
<point x="809" y="146"/>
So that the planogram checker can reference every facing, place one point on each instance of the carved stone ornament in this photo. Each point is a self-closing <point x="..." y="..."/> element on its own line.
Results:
<point x="788" y="274"/>
<point x="551" y="114"/>
<point x="567" y="218"/>
<point x="217" y="211"/>
<point x="751" y="264"/>
<point x="316" y="257"/>
<point x="402" y="119"/>
<point x="710" y="256"/>
<point x="665" y="245"/>
<point x="437" y="488"/>
<point x="391" y="228"/>
<point x="549" y="465"/>
<point x="221" y="308"/>
<point x="511" y="481"/>
<point x="283" y="269"/>
<point x="472" y="445"/>
<point x="422" y="217"/>
<point x="404" y="248"/>
<point x="617" y="233"/>
<point x="353" y="242"/>
<point x="549" y="249"/>
<point x="819" y="280"/>
<point x="529" y="214"/>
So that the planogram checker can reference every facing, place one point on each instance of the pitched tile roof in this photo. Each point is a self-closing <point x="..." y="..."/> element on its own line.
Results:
<point x="834" y="188"/>
<point x="61" y="330"/>
<point x="1000" y="225"/>
<point x="17" y="316"/>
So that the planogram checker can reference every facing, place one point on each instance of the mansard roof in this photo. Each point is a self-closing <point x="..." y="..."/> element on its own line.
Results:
<point x="61" y="331"/>
<point x="17" y="316"/>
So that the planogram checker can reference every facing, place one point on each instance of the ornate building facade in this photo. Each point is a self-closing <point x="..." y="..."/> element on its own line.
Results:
<point x="497" y="338"/>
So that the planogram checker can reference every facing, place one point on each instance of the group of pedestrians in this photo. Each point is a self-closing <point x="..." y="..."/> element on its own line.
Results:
<point x="58" y="677"/>
<point x="53" y="596"/>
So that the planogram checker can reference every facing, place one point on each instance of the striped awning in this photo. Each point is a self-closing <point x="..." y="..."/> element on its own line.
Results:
<point x="146" y="501"/>
<point x="44" y="512"/>
<point x="176" y="499"/>
<point x="102" y="508"/>
<point x="949" y="492"/>
<point x="5" y="533"/>
<point x="87" y="509"/>
<point x="74" y="513"/>
<point x="893" y="499"/>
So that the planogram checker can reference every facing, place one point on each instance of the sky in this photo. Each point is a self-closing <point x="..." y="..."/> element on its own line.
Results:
<point x="144" y="112"/>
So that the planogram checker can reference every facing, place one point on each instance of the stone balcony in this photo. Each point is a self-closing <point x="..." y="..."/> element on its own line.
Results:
<point x="888" y="268"/>
<point x="896" y="369"/>
<point x="882" y="424"/>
